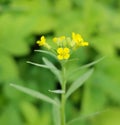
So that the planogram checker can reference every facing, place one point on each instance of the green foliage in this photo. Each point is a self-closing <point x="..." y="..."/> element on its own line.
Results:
<point x="22" y="21"/>
<point x="56" y="115"/>
<point x="34" y="94"/>
<point x="53" y="69"/>
<point x="75" y="85"/>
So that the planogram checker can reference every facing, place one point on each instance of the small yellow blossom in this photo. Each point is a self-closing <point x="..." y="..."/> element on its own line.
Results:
<point x="55" y="39"/>
<point x="77" y="38"/>
<point x="63" y="53"/>
<point x="58" y="39"/>
<point x="62" y="38"/>
<point x="42" y="41"/>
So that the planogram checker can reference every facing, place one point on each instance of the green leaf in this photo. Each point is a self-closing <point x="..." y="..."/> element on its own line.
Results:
<point x="39" y="65"/>
<point x="79" y="118"/>
<point x="111" y="117"/>
<point x="57" y="91"/>
<point x="79" y="82"/>
<point x="86" y="66"/>
<point x="56" y="114"/>
<point x="46" y="52"/>
<point x="34" y="94"/>
<point x="53" y="69"/>
<point x="28" y="108"/>
<point x="92" y="63"/>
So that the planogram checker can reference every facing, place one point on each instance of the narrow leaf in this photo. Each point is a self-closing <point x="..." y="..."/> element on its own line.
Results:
<point x="56" y="114"/>
<point x="46" y="52"/>
<point x="73" y="121"/>
<point x="34" y="94"/>
<point x="53" y="69"/>
<point x="86" y="66"/>
<point x="39" y="65"/>
<point x="57" y="91"/>
<point x="92" y="63"/>
<point x="79" y="82"/>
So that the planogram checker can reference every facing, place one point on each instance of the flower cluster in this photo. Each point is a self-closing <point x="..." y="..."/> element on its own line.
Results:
<point x="42" y="42"/>
<point x="63" y="53"/>
<point x="77" y="38"/>
<point x="64" y="45"/>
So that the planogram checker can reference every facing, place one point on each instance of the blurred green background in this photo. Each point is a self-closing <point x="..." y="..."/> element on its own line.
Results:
<point x="22" y="22"/>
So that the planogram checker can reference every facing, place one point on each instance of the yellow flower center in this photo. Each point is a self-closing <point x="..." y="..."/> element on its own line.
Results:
<point x="63" y="53"/>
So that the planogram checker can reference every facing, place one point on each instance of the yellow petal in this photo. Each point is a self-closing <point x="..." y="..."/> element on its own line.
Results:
<point x="66" y="56"/>
<point x="60" y="57"/>
<point x="43" y="38"/>
<point x="55" y="39"/>
<point x="60" y="50"/>
<point x="66" y="50"/>
<point x="85" y="44"/>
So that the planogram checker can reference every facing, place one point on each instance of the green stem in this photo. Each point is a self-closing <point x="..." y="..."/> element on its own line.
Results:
<point x="63" y="100"/>
<point x="63" y="109"/>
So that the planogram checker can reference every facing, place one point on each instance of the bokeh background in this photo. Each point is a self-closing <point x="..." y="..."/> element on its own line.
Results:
<point x="22" y="22"/>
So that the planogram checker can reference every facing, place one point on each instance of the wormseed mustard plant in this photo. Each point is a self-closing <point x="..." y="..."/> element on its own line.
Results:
<point x="65" y="46"/>
<point x="63" y="50"/>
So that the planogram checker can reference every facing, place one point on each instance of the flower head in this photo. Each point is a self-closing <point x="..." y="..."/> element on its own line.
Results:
<point x="63" y="53"/>
<point x="77" y="38"/>
<point x="64" y="45"/>
<point x="42" y="41"/>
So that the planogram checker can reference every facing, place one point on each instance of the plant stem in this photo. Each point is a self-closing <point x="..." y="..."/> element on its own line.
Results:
<point x="63" y="109"/>
<point x="63" y="100"/>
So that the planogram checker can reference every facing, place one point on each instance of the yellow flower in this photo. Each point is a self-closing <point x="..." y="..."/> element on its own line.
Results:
<point x="77" y="38"/>
<point x="55" y="39"/>
<point x="58" y="39"/>
<point x="42" y="41"/>
<point x="62" y="38"/>
<point x="63" y="53"/>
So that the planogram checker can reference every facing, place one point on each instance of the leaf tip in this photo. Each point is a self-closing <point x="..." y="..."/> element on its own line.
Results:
<point x="27" y="61"/>
<point x="11" y="84"/>
<point x="36" y="50"/>
<point x="57" y="91"/>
